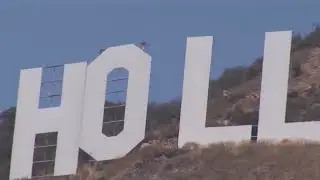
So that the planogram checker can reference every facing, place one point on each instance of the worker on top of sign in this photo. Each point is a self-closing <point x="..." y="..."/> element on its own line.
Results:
<point x="142" y="45"/>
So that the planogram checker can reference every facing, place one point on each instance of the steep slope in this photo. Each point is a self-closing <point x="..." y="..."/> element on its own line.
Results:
<point x="241" y="104"/>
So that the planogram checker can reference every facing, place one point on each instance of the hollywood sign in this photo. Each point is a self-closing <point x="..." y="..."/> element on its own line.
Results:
<point x="78" y="120"/>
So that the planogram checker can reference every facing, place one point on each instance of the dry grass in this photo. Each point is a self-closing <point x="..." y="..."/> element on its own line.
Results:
<point x="288" y="160"/>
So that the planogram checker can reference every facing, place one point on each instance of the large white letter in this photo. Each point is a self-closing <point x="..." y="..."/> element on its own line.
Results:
<point x="138" y="64"/>
<point x="195" y="95"/>
<point x="274" y="88"/>
<point x="64" y="119"/>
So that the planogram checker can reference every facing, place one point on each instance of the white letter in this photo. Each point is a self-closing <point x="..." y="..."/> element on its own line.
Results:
<point x="138" y="64"/>
<point x="274" y="88"/>
<point x="64" y="119"/>
<point x="194" y="99"/>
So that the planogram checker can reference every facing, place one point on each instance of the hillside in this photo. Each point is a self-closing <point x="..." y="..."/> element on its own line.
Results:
<point x="233" y="100"/>
<point x="291" y="160"/>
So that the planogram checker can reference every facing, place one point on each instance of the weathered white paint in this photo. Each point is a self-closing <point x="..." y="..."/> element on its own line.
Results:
<point x="274" y="86"/>
<point x="64" y="119"/>
<point x="195" y="96"/>
<point x="138" y="64"/>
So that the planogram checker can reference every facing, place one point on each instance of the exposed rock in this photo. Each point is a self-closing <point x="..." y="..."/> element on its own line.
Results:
<point x="144" y="145"/>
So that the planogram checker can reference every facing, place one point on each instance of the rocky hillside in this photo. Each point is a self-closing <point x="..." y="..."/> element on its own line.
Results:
<point x="240" y="104"/>
<point x="233" y="100"/>
<point x="288" y="160"/>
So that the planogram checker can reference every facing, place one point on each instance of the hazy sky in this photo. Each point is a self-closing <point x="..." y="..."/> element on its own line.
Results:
<point x="36" y="33"/>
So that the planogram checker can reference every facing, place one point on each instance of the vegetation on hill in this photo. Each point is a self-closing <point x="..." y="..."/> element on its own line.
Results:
<point x="284" y="161"/>
<point x="237" y="108"/>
